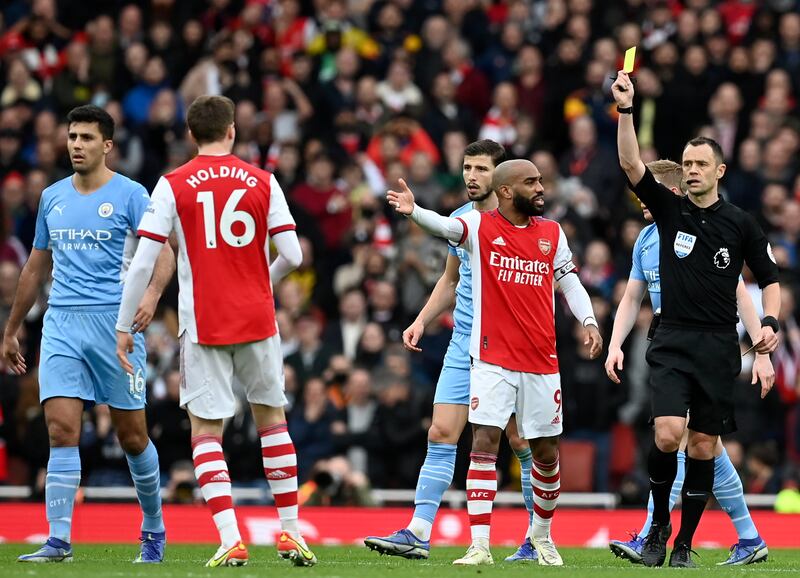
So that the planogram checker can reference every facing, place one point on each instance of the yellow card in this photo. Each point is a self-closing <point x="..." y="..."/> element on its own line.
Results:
<point x="630" y="58"/>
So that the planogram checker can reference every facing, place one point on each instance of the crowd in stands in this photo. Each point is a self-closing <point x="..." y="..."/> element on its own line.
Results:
<point x="340" y="98"/>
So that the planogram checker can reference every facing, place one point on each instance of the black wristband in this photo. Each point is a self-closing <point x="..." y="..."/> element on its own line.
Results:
<point x="770" y="321"/>
<point x="628" y="110"/>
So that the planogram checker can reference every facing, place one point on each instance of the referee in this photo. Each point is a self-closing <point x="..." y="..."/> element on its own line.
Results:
<point x="694" y="356"/>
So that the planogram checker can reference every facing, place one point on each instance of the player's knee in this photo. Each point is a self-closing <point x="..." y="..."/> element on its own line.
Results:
<point x="517" y="443"/>
<point x="62" y="433"/>
<point x="442" y="434"/>
<point x="667" y="439"/>
<point x="486" y="439"/>
<point x="133" y="442"/>
<point x="545" y="450"/>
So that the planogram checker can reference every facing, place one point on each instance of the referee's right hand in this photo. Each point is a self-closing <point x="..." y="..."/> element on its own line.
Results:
<point x="614" y="363"/>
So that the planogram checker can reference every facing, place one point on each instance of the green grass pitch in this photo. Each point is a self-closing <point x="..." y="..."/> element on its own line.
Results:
<point x="352" y="561"/>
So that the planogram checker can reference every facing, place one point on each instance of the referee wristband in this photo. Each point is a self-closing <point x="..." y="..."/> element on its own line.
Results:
<point x="625" y="110"/>
<point x="770" y="321"/>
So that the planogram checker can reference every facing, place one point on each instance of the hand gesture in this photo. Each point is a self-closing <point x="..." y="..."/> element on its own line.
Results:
<point x="12" y="355"/>
<point x="622" y="89"/>
<point x="591" y="337"/>
<point x="403" y="201"/>
<point x="767" y="341"/>
<point x="145" y="312"/>
<point x="614" y="363"/>
<point x="124" y="347"/>
<point x="412" y="335"/>
<point x="763" y="371"/>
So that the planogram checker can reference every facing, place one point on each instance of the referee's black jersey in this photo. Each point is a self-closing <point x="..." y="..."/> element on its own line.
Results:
<point x="702" y="254"/>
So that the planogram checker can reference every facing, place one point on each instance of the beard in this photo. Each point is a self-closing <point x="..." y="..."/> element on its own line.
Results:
<point x="527" y="206"/>
<point x="480" y="196"/>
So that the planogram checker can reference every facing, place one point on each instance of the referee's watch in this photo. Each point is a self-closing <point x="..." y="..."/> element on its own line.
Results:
<point x="770" y="321"/>
<point x="626" y="110"/>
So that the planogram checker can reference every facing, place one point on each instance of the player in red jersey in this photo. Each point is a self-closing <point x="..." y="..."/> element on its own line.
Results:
<point x="224" y="212"/>
<point x="516" y="257"/>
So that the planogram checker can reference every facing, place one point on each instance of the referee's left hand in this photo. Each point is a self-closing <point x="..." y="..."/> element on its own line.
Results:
<point x="124" y="347"/>
<point x="763" y="371"/>
<point x="592" y="338"/>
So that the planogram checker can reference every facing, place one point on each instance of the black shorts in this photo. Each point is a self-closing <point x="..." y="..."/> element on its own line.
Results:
<point x="695" y="371"/>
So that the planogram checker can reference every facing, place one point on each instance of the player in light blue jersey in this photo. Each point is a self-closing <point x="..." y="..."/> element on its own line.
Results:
<point x="728" y="490"/>
<point x="86" y="228"/>
<point x="451" y="401"/>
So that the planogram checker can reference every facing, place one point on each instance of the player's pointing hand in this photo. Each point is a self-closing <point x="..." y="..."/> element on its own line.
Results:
<point x="402" y="201"/>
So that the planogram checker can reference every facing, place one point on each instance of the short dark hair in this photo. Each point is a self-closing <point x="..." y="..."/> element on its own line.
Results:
<point x="715" y="148"/>
<point x="209" y="118"/>
<point x="488" y="148"/>
<point x="90" y="113"/>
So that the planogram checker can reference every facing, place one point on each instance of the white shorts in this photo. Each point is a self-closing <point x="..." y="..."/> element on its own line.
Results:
<point x="208" y="372"/>
<point x="497" y="393"/>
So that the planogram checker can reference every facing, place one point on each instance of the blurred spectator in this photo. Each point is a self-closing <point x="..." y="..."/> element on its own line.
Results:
<point x="169" y="425"/>
<point x="344" y="334"/>
<point x="353" y="431"/>
<point x="325" y="202"/>
<point x="764" y="476"/>
<point x="398" y="92"/>
<point x="335" y="483"/>
<point x="588" y="161"/>
<point x="402" y="426"/>
<point x="310" y="428"/>
<point x="312" y="355"/>
<point x="500" y="123"/>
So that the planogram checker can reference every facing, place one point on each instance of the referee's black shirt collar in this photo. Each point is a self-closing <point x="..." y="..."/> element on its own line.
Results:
<point x="693" y="208"/>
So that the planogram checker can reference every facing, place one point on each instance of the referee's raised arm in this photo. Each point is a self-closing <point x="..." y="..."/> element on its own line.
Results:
<point x="628" y="146"/>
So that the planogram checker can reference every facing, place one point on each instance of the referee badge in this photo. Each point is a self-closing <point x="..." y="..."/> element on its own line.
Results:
<point x="684" y="243"/>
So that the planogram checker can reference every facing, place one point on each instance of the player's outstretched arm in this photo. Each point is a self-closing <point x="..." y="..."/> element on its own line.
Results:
<point x="627" y="145"/>
<point x="627" y="312"/>
<point x="581" y="306"/>
<point x="434" y="223"/>
<point x="33" y="276"/>
<point x="139" y="274"/>
<point x="441" y="299"/>
<point x="290" y="255"/>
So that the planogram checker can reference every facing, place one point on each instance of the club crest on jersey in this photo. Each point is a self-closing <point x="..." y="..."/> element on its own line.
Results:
<point x="684" y="243"/>
<point x="722" y="258"/>
<point x="105" y="210"/>
<point x="473" y="403"/>
<point x="545" y="246"/>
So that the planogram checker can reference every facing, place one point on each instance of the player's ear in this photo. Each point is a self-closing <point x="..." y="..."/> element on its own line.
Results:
<point x="721" y="168"/>
<point x="107" y="146"/>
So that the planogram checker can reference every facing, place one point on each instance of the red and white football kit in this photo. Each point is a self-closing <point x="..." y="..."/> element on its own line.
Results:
<point x="513" y="342"/>
<point x="223" y="211"/>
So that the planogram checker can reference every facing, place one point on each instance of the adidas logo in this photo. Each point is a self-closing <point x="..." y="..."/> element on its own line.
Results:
<point x="278" y="475"/>
<point x="556" y="420"/>
<point x="499" y="241"/>
<point x="220" y="477"/>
